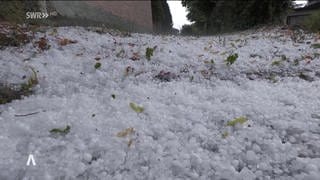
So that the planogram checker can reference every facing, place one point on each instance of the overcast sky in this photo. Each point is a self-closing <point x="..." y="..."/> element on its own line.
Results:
<point x="301" y="1"/>
<point x="179" y="12"/>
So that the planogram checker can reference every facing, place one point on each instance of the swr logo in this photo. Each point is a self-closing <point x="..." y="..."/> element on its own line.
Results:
<point x="36" y="15"/>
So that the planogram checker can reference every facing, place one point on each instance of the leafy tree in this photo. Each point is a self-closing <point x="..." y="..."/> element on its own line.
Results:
<point x="186" y="29"/>
<point x="227" y="15"/>
<point x="199" y="12"/>
<point x="313" y="22"/>
<point x="190" y="29"/>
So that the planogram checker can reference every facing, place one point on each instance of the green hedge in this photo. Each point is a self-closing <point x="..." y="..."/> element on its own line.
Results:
<point x="15" y="11"/>
<point x="313" y="22"/>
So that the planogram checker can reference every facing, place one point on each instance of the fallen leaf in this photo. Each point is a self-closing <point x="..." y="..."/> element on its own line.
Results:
<point x="135" y="57"/>
<point x="231" y="59"/>
<point x="121" y="53"/>
<point x="155" y="47"/>
<point x="129" y="70"/>
<point x="131" y="44"/>
<point x="308" y="57"/>
<point x="209" y="62"/>
<point x="214" y="52"/>
<point x="43" y="44"/>
<point x="64" y="41"/>
<point x="125" y="132"/>
<point x="225" y="135"/>
<point x="97" y="65"/>
<point x="239" y="120"/>
<point x="206" y="74"/>
<point x="136" y="108"/>
<point x="130" y="142"/>
<point x="54" y="32"/>
<point x="61" y="131"/>
<point x="166" y="76"/>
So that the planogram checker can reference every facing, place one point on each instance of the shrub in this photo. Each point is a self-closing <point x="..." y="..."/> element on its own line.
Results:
<point x="13" y="36"/>
<point x="186" y="30"/>
<point x="190" y="29"/>
<point x="32" y="81"/>
<point x="9" y="93"/>
<point x="14" y="11"/>
<point x="313" y="22"/>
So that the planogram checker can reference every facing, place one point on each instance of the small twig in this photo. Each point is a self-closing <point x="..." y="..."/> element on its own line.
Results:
<point x="139" y="73"/>
<point x="22" y="115"/>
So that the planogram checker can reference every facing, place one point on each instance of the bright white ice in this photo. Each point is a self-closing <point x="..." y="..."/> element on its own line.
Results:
<point x="182" y="132"/>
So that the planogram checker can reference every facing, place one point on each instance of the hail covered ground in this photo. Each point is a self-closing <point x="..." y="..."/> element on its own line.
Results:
<point x="113" y="105"/>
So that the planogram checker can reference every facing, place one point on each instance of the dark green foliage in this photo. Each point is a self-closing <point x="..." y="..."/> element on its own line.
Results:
<point x="276" y="63"/>
<point x="199" y="12"/>
<point x="313" y="22"/>
<point x="11" y="11"/>
<point x="161" y="16"/>
<point x="9" y="93"/>
<point x="272" y="78"/>
<point x="113" y="96"/>
<point x="212" y="16"/>
<point x="317" y="45"/>
<point x="191" y="78"/>
<point x="61" y="131"/>
<point x="149" y="53"/>
<point x="306" y="77"/>
<point x="14" y="35"/>
<point x="296" y="62"/>
<point x="136" y="108"/>
<point x="97" y="65"/>
<point x="225" y="135"/>
<point x="16" y="38"/>
<point x="239" y="120"/>
<point x="166" y="76"/>
<point x="186" y="29"/>
<point x="231" y="59"/>
<point x="190" y="29"/>
<point x="14" y="11"/>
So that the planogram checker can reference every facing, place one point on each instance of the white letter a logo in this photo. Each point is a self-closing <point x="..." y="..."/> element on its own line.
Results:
<point x="31" y="160"/>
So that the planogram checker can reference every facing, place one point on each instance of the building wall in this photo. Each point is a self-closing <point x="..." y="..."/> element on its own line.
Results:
<point x="300" y="15"/>
<point x="138" y="12"/>
<point x="126" y="15"/>
<point x="298" y="18"/>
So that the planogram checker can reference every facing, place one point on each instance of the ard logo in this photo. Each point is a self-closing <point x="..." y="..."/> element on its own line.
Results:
<point x="31" y="160"/>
